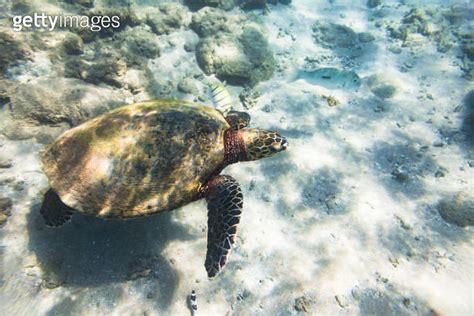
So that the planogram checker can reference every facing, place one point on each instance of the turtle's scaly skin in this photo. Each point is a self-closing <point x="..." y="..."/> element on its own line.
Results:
<point x="138" y="159"/>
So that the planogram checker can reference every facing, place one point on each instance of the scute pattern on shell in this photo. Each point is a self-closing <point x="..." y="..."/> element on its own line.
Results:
<point x="138" y="159"/>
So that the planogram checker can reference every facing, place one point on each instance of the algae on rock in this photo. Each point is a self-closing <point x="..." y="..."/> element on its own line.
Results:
<point x="212" y="21"/>
<point x="167" y="18"/>
<point x="73" y="44"/>
<point x="12" y="50"/>
<point x="126" y="16"/>
<point x="136" y="45"/>
<point x="37" y="111"/>
<point x="458" y="209"/>
<point x="5" y="210"/>
<point x="243" y="60"/>
<point x="382" y="86"/>
<point x="107" y="69"/>
<point x="332" y="35"/>
<point x="221" y="4"/>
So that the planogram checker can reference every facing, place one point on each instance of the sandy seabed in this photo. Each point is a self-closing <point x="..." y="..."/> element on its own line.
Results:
<point x="346" y="222"/>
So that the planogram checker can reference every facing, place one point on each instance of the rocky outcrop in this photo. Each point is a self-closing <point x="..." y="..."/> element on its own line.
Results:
<point x="232" y="48"/>
<point x="458" y="209"/>
<point x="12" y="51"/>
<point x="167" y="18"/>
<point x="243" y="60"/>
<point x="37" y="111"/>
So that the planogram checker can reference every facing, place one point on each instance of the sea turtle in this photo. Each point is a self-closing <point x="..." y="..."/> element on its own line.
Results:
<point x="152" y="157"/>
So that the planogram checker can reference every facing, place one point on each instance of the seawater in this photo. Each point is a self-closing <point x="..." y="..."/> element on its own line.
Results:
<point x="369" y="212"/>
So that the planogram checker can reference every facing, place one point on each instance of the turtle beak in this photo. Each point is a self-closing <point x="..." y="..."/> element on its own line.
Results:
<point x="279" y="146"/>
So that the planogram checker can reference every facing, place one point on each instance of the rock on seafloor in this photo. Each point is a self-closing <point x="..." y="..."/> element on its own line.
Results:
<point x="304" y="304"/>
<point x="73" y="44"/>
<point x="34" y="109"/>
<point x="70" y="102"/>
<point x="132" y="48"/>
<point x="221" y="4"/>
<point x="381" y="86"/>
<point x="167" y="18"/>
<point x="232" y="48"/>
<point x="5" y="210"/>
<point x="126" y="16"/>
<point x="243" y="60"/>
<point x="458" y="209"/>
<point x="12" y="50"/>
<point x="369" y="165"/>
<point x="212" y="21"/>
<point x="109" y="69"/>
<point x="249" y="97"/>
<point x="373" y="3"/>
<point x="187" y="85"/>
<point x="332" y="35"/>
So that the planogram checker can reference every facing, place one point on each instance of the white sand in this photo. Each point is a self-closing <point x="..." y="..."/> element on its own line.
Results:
<point x="325" y="219"/>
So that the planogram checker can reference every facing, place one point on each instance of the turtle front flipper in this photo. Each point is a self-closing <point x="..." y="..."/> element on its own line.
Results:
<point x="224" y="203"/>
<point x="54" y="211"/>
<point x="237" y="120"/>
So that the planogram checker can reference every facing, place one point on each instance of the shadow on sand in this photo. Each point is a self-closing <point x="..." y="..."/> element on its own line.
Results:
<point x="92" y="252"/>
<point x="468" y="123"/>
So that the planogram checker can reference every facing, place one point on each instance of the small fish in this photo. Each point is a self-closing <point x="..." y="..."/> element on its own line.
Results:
<point x="193" y="301"/>
<point x="220" y="97"/>
<point x="331" y="78"/>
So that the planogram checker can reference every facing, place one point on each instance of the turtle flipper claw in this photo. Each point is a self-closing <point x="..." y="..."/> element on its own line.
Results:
<point x="224" y="202"/>
<point x="54" y="211"/>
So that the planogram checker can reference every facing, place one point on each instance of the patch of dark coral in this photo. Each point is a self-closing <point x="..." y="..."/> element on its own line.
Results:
<point x="12" y="51"/>
<point x="126" y="16"/>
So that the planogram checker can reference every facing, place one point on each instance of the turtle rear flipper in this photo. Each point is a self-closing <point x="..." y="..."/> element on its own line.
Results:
<point x="224" y="203"/>
<point x="54" y="211"/>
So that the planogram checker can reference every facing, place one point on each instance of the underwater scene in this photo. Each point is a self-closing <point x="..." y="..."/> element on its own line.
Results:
<point x="236" y="157"/>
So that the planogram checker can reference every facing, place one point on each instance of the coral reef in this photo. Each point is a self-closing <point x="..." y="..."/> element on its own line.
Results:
<point x="71" y="101"/>
<point x="22" y="7"/>
<point x="231" y="48"/>
<point x="5" y="210"/>
<point x="246" y="59"/>
<point x="187" y="85"/>
<point x="73" y="44"/>
<point x="376" y="184"/>
<point x="447" y="26"/>
<point x="82" y="3"/>
<point x="12" y="50"/>
<point x="221" y="4"/>
<point x="126" y="16"/>
<point x="130" y="48"/>
<point x="373" y="3"/>
<point x="37" y="111"/>
<point x="304" y="304"/>
<point x="332" y="35"/>
<point x="259" y="4"/>
<point x="211" y="22"/>
<point x="136" y="46"/>
<point x="167" y="18"/>
<point x="108" y="69"/>
<point x="249" y="97"/>
<point x="6" y="89"/>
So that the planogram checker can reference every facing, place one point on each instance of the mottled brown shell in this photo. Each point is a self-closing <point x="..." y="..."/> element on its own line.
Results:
<point x="138" y="159"/>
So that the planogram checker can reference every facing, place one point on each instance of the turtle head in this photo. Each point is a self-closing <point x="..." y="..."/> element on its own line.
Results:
<point x="261" y="143"/>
